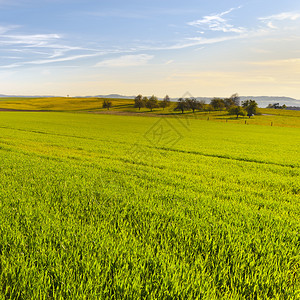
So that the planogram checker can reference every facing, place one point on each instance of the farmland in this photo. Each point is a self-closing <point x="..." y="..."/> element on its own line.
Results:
<point x="105" y="206"/>
<point x="58" y="103"/>
<point x="276" y="117"/>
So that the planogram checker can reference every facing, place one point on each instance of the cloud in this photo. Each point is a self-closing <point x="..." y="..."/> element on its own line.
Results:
<point x="217" y="23"/>
<point x="169" y="62"/>
<point x="285" y="16"/>
<point x="4" y="29"/>
<point x="37" y="49"/>
<point x="126" y="61"/>
<point x="271" y="25"/>
<point x="48" y="61"/>
<point x="67" y="58"/>
<point x="36" y="40"/>
<point x="293" y="16"/>
<point x="199" y="41"/>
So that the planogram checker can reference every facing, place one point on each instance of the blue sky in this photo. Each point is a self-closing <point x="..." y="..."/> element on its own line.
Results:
<point x="209" y="48"/>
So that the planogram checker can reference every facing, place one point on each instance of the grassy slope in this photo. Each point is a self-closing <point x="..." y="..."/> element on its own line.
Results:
<point x="98" y="206"/>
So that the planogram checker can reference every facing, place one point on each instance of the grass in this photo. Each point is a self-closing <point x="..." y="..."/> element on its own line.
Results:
<point x="97" y="206"/>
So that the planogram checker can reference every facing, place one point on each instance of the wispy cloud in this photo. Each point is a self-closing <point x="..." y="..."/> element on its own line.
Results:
<point x="37" y="49"/>
<point x="201" y="41"/>
<point x="4" y="29"/>
<point x="126" y="61"/>
<point x="217" y="22"/>
<point x="48" y="61"/>
<point x="196" y="41"/>
<point x="284" y="16"/>
<point x="36" y="40"/>
<point x="169" y="62"/>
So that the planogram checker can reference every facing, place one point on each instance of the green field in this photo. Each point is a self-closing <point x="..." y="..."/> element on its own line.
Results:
<point x="96" y="206"/>
<point x="266" y="117"/>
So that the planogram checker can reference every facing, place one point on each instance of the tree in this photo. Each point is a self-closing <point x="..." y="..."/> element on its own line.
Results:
<point x="107" y="104"/>
<point x="229" y="102"/>
<point x="145" y="100"/>
<point x="138" y="102"/>
<point x="276" y="106"/>
<point x="217" y="103"/>
<point x="152" y="102"/>
<point x="250" y="106"/>
<point x="209" y="108"/>
<point x="236" y="110"/>
<point x="236" y="99"/>
<point x="201" y="105"/>
<point x="165" y="102"/>
<point x="182" y="105"/>
<point x="193" y="104"/>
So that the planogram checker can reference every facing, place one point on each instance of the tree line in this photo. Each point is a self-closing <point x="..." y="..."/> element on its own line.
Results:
<point x="276" y="106"/>
<point x="232" y="104"/>
<point x="152" y="102"/>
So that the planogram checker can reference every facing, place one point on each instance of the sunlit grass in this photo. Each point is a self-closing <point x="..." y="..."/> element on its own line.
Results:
<point x="96" y="207"/>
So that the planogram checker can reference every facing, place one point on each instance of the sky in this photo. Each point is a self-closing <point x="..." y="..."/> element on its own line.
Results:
<point x="207" y="48"/>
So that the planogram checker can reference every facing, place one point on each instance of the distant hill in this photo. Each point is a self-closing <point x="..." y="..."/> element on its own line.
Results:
<point x="115" y="96"/>
<point x="293" y="107"/>
<point x="263" y="101"/>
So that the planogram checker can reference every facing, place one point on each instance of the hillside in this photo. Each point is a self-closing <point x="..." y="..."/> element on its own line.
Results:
<point x="58" y="103"/>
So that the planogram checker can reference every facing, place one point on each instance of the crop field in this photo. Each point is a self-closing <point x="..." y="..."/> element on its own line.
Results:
<point x="96" y="206"/>
<point x="59" y="103"/>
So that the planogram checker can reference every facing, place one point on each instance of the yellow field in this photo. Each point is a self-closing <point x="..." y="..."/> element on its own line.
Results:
<point x="59" y="103"/>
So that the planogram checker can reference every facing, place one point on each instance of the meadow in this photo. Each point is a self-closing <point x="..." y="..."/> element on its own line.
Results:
<point x="100" y="206"/>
